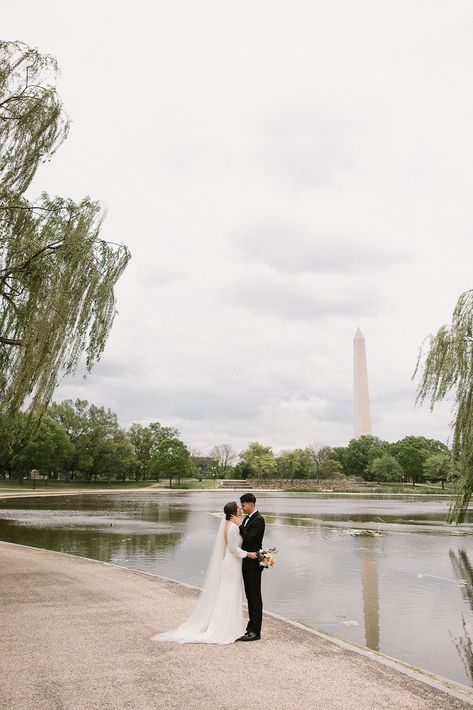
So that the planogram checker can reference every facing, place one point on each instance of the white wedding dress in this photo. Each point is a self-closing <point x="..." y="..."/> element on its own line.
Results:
<point x="218" y="615"/>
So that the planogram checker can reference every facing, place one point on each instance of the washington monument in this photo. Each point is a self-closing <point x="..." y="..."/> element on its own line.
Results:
<point x="362" y="397"/>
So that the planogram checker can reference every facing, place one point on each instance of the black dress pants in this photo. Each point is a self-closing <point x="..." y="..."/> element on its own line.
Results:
<point x="252" y="582"/>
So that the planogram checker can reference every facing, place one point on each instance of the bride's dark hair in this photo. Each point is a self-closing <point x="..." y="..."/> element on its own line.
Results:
<point x="230" y="509"/>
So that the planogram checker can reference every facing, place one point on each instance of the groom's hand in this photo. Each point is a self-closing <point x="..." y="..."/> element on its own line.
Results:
<point x="235" y="519"/>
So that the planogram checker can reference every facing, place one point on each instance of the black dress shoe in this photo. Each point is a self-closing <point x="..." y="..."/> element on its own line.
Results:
<point x="244" y="637"/>
<point x="251" y="636"/>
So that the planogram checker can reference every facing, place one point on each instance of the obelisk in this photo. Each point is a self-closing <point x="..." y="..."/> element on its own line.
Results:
<point x="362" y="397"/>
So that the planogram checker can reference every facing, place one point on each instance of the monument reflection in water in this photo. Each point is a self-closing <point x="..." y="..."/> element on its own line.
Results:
<point x="387" y="585"/>
<point x="370" y="591"/>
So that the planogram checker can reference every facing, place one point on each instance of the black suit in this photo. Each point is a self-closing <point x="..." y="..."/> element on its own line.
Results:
<point x="252" y="534"/>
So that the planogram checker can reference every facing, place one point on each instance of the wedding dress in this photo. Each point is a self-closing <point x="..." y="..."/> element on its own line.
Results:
<point x="218" y="615"/>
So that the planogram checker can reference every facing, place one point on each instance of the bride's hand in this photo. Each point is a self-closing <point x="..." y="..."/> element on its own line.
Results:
<point x="251" y="555"/>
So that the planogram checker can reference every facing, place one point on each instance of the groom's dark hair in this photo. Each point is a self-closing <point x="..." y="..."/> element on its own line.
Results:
<point x="247" y="498"/>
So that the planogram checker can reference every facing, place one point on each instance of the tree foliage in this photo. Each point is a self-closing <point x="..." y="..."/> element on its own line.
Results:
<point x="46" y="447"/>
<point x="260" y="459"/>
<point x="438" y="467"/>
<point x="331" y="468"/>
<point x="320" y="456"/>
<point x="57" y="276"/>
<point x="360" y="452"/>
<point x="386" y="468"/>
<point x="142" y="439"/>
<point x="448" y="368"/>
<point x="412" y="452"/>
<point x="100" y="448"/>
<point x="223" y="457"/>
<point x="298" y="463"/>
<point x="171" y="457"/>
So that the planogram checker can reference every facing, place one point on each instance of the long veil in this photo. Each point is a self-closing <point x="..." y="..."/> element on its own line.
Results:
<point x="198" y="621"/>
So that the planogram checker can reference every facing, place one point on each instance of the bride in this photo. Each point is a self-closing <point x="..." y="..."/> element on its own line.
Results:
<point x="218" y="614"/>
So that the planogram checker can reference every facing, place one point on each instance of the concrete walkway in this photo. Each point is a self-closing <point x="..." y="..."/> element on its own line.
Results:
<point x="75" y="635"/>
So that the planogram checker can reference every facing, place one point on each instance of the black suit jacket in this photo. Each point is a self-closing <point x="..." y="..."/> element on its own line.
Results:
<point x="252" y="535"/>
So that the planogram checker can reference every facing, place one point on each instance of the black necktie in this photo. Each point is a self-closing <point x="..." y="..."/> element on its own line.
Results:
<point x="246" y="520"/>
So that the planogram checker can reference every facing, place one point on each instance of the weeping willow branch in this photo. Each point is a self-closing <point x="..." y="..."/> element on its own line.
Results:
<point x="57" y="276"/>
<point x="447" y="367"/>
<point x="67" y="304"/>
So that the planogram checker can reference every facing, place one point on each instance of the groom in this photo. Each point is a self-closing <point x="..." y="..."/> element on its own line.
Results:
<point x="252" y="531"/>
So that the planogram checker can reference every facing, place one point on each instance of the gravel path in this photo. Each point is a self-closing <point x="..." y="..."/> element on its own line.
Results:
<point x="76" y="635"/>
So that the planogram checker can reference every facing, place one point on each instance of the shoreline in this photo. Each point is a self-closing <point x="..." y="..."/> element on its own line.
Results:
<point x="91" y="583"/>
<point x="150" y="489"/>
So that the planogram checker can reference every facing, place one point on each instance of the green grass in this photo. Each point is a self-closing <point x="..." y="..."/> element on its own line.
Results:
<point x="417" y="490"/>
<point x="27" y="486"/>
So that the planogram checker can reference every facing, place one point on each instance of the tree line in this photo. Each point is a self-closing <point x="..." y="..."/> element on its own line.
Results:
<point x="76" y="440"/>
<point x="81" y="441"/>
<point x="412" y="459"/>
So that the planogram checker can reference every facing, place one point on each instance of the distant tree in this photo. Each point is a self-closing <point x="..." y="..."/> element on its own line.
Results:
<point x="57" y="276"/>
<point x="73" y="417"/>
<point x="201" y="466"/>
<point x="161" y="432"/>
<point x="171" y="459"/>
<point x="243" y="470"/>
<point x="305" y="463"/>
<point x="261" y="460"/>
<point x="50" y="448"/>
<point x="411" y="459"/>
<point x="286" y="464"/>
<point x="360" y="452"/>
<point x="142" y="439"/>
<point x="45" y="446"/>
<point x="88" y="427"/>
<point x="338" y="454"/>
<point x="386" y="468"/>
<point x="297" y="463"/>
<point x="115" y="458"/>
<point x="438" y="467"/>
<point x="331" y="468"/>
<point x="223" y="458"/>
<point x="412" y="452"/>
<point x="320" y="454"/>
<point x="145" y="440"/>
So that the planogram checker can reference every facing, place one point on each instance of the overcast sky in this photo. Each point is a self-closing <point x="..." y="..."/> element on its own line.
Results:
<point x="283" y="172"/>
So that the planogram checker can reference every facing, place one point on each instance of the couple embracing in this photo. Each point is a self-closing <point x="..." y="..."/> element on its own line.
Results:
<point x="218" y="615"/>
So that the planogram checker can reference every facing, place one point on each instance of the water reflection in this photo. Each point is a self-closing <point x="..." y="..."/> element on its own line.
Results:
<point x="105" y="528"/>
<point x="464" y="572"/>
<point x="370" y="590"/>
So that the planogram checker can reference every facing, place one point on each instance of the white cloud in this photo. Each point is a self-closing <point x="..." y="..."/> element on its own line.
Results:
<point x="282" y="174"/>
<point x="289" y="249"/>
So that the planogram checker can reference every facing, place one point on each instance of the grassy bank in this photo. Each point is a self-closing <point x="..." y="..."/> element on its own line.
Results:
<point x="409" y="489"/>
<point x="26" y="486"/>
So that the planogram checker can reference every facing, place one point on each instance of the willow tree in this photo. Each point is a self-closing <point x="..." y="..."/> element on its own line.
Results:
<point x="448" y="369"/>
<point x="57" y="276"/>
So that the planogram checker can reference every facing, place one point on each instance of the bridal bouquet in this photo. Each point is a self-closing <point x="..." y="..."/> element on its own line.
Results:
<point x="265" y="557"/>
